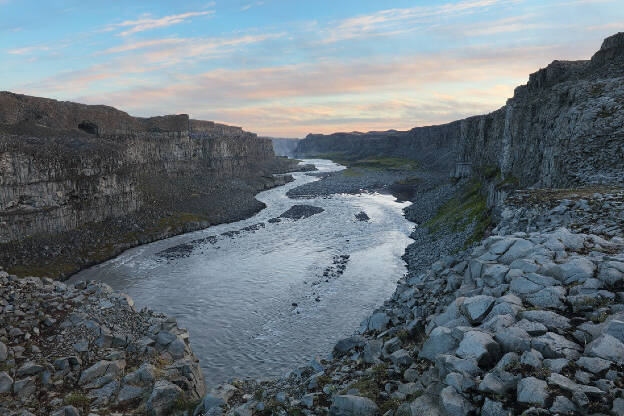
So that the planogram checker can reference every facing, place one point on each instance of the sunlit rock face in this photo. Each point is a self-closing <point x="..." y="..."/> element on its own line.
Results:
<point x="564" y="127"/>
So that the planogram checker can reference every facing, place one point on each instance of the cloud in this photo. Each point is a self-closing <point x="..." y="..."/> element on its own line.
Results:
<point x="397" y="21"/>
<point x="250" y="5"/>
<point x="147" y="23"/>
<point x="29" y="50"/>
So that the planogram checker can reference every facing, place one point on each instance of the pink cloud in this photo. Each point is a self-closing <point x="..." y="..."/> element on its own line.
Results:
<point x="147" y="23"/>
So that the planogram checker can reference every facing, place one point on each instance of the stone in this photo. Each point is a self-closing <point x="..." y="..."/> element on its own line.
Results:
<point x="593" y="364"/>
<point x="401" y="358"/>
<point x="606" y="347"/>
<point x="556" y="365"/>
<point x="479" y="346"/>
<point x="532" y="328"/>
<point x="29" y="369"/>
<point x="104" y="394"/>
<point x="513" y="339"/>
<point x="129" y="393"/>
<point x="165" y="338"/>
<point x="549" y="297"/>
<point x="551" y="320"/>
<point x="518" y="250"/>
<point x="348" y="405"/>
<point x="440" y="341"/>
<point x="491" y="383"/>
<point x="66" y="411"/>
<point x="25" y="387"/>
<point x="532" y="358"/>
<point x="532" y="391"/>
<point x="3" y="352"/>
<point x="618" y="406"/>
<point x="459" y="381"/>
<point x="208" y="402"/>
<point x="378" y="322"/>
<point x="454" y="403"/>
<point x="476" y="308"/>
<point x="102" y="369"/>
<point x="565" y="383"/>
<point x="347" y="344"/>
<point x="552" y="345"/>
<point x="163" y="398"/>
<point x="492" y="408"/>
<point x="372" y="351"/>
<point x="615" y="328"/>
<point x="563" y="405"/>
<point x="6" y="382"/>
<point x="177" y="349"/>
<point x="578" y="269"/>
<point x="494" y="274"/>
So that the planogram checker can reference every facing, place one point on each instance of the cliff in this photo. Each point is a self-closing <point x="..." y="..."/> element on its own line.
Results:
<point x="83" y="182"/>
<point x="564" y="127"/>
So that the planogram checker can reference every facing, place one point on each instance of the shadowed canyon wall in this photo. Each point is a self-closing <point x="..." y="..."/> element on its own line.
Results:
<point x="65" y="167"/>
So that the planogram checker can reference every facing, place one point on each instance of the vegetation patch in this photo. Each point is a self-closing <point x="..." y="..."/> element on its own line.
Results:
<point x="469" y="207"/>
<point x="373" y="163"/>
<point x="77" y="400"/>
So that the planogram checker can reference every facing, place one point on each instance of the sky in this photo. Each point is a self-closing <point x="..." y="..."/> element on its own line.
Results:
<point x="286" y="68"/>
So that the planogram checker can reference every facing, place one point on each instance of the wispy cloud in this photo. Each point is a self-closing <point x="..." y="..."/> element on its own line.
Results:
<point x="250" y="5"/>
<point x="130" y="27"/>
<point x="396" y="21"/>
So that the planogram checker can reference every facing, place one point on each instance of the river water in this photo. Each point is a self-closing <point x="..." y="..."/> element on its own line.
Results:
<point x="268" y="298"/>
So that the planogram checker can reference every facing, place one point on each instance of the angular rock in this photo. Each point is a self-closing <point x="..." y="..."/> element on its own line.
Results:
<point x="606" y="347"/>
<point x="454" y="403"/>
<point x="476" y="308"/>
<point x="479" y="346"/>
<point x="163" y="398"/>
<point x="440" y="341"/>
<point x="513" y="339"/>
<point x="532" y="391"/>
<point x="347" y="405"/>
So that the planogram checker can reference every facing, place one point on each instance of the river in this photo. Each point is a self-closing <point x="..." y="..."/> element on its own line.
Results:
<point x="262" y="299"/>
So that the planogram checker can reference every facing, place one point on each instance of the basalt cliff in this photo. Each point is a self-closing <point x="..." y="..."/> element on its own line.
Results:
<point x="564" y="127"/>
<point x="80" y="183"/>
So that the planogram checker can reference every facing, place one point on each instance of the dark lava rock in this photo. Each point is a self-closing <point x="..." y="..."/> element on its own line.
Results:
<point x="298" y="212"/>
<point x="361" y="216"/>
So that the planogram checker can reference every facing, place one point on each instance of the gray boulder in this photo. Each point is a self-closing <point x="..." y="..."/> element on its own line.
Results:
<point x="440" y="341"/>
<point x="454" y="403"/>
<point x="532" y="391"/>
<point x="606" y="347"/>
<point x="347" y="405"/>
<point x="163" y="398"/>
<point x="476" y="308"/>
<point x="479" y="346"/>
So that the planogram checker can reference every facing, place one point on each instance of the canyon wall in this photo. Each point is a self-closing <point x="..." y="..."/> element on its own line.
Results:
<point x="565" y="127"/>
<point x="66" y="166"/>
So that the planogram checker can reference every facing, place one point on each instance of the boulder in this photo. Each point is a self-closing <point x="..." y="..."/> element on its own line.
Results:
<point x="479" y="346"/>
<point x="440" y="341"/>
<point x="532" y="391"/>
<point x="606" y="347"/>
<point x="348" y="405"/>
<point x="476" y="308"/>
<point x="454" y="403"/>
<point x="163" y="398"/>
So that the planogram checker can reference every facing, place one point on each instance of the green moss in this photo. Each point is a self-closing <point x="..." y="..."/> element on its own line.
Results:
<point x="373" y="163"/>
<point x="469" y="207"/>
<point x="606" y="112"/>
<point x="184" y="405"/>
<point x="77" y="400"/>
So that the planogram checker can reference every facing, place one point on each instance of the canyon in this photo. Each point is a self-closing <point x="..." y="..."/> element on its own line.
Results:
<point x="513" y="300"/>
<point x="78" y="183"/>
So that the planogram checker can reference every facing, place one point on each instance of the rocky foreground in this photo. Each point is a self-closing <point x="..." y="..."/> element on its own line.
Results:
<point x="527" y="323"/>
<point x="68" y="350"/>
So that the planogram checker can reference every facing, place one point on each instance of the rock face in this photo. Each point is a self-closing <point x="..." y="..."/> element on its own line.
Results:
<point x="565" y="126"/>
<point x="65" y="167"/>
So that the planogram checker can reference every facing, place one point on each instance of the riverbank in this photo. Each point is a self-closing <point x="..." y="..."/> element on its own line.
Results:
<point x="63" y="254"/>
<point x="529" y="321"/>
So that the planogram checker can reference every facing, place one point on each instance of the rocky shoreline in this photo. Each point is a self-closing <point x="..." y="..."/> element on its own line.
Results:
<point x="527" y="322"/>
